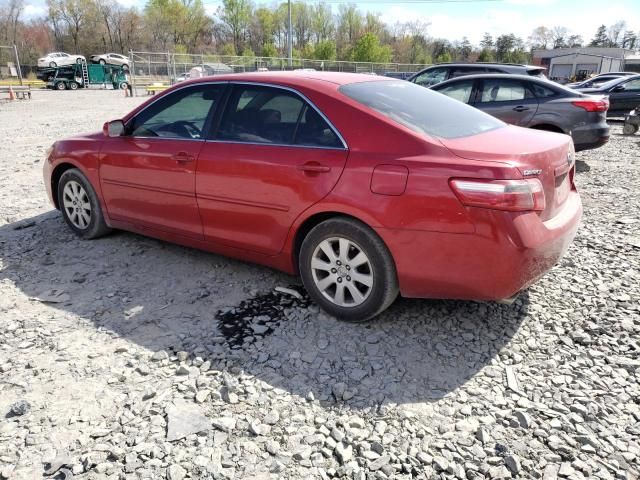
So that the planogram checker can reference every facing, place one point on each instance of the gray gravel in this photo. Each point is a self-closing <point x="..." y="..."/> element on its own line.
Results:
<point x="130" y="358"/>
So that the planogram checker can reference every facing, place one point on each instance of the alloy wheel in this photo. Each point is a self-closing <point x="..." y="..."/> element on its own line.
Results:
<point x="342" y="272"/>
<point x="76" y="204"/>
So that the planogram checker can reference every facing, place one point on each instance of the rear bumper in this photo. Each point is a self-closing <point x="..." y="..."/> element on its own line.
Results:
<point x="586" y="138"/>
<point x="507" y="253"/>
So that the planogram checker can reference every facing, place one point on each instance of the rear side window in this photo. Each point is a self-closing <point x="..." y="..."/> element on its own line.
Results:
<point x="541" y="91"/>
<point x="462" y="71"/>
<point x="257" y="114"/>
<point x="500" y="90"/>
<point x="420" y="109"/>
<point x="460" y="91"/>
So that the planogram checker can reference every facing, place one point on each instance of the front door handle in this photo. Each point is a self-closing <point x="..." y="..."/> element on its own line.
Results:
<point x="313" y="167"/>
<point x="520" y="108"/>
<point x="183" y="157"/>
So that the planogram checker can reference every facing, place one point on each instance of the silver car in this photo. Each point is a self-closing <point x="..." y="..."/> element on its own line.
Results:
<point x="535" y="103"/>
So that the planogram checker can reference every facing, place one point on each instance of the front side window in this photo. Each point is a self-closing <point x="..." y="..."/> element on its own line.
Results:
<point x="431" y="77"/>
<point x="181" y="114"/>
<point x="500" y="90"/>
<point x="460" y="91"/>
<point x="420" y="109"/>
<point x="259" y="114"/>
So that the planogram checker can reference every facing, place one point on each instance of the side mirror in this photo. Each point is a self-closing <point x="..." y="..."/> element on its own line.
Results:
<point x="114" y="128"/>
<point x="618" y="88"/>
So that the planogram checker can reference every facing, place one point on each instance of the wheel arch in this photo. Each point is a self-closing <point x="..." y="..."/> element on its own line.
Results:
<point x="57" y="172"/>
<point x="304" y="226"/>
<point x="548" y="127"/>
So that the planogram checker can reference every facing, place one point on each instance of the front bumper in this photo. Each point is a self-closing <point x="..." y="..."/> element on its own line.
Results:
<point x="507" y="253"/>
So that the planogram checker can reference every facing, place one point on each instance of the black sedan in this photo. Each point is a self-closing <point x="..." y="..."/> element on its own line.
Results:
<point x="623" y="93"/>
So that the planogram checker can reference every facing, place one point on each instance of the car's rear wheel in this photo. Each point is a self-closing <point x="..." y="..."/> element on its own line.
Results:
<point x="348" y="270"/>
<point x="102" y="61"/>
<point x="52" y="64"/>
<point x="78" y="61"/>
<point x="80" y="206"/>
<point x="61" y="86"/>
<point x="125" y="67"/>
<point x="73" y="85"/>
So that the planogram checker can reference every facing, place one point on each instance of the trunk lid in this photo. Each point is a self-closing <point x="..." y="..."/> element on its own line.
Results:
<point x="547" y="156"/>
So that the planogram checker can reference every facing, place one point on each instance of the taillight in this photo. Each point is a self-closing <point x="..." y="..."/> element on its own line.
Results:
<point x="511" y="195"/>
<point x="595" y="105"/>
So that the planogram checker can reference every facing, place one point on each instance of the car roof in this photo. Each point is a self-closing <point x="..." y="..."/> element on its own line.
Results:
<point x="509" y="76"/>
<point x="321" y="80"/>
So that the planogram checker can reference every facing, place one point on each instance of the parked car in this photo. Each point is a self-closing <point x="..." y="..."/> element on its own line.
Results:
<point x="112" y="59"/>
<point x="535" y="103"/>
<point x="58" y="59"/>
<point x="182" y="77"/>
<point x="208" y="69"/>
<point x="595" y="81"/>
<point x="623" y="93"/>
<point x="363" y="185"/>
<point x="446" y="71"/>
<point x="399" y="75"/>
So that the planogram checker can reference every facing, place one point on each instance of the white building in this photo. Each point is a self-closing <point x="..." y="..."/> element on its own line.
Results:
<point x="564" y="64"/>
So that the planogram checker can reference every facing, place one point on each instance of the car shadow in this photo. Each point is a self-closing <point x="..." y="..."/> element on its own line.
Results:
<point x="165" y="297"/>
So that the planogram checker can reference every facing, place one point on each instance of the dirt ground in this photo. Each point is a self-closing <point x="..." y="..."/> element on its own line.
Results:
<point x="130" y="358"/>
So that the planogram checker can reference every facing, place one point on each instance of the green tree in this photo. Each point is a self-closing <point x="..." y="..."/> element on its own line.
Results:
<point x="325" y="50"/>
<point x="465" y="49"/>
<point x="368" y="49"/>
<point x="236" y="15"/>
<point x="600" y="39"/>
<point x="444" y="57"/>
<point x="486" y="55"/>
<point x="269" y="50"/>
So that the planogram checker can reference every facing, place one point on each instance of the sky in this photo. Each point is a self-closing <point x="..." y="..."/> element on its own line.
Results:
<point x="453" y="20"/>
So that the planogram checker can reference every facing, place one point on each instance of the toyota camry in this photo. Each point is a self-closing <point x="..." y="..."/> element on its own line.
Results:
<point x="367" y="187"/>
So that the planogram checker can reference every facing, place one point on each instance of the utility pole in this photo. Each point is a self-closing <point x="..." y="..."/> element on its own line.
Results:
<point x="290" y="37"/>
<point x="19" y="68"/>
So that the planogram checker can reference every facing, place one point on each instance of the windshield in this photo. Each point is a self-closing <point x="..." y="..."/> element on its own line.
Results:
<point x="420" y="109"/>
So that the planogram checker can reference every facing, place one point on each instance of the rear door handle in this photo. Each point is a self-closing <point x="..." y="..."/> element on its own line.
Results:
<point x="520" y="108"/>
<point x="314" y="168"/>
<point x="183" y="157"/>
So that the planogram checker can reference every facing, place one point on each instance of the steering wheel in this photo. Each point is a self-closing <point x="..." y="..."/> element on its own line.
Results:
<point x="185" y="128"/>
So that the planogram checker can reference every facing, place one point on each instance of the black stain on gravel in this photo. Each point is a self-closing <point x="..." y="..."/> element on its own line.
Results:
<point x="257" y="316"/>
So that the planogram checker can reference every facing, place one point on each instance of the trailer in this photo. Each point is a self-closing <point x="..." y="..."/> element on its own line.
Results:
<point x="81" y="75"/>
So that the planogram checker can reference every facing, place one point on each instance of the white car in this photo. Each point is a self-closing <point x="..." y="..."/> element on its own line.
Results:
<point x="111" y="59"/>
<point x="57" y="59"/>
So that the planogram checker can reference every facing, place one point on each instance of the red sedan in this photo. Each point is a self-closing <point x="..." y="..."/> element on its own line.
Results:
<point x="364" y="186"/>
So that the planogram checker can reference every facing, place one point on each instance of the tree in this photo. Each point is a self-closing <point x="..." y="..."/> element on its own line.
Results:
<point x="559" y="37"/>
<point x="325" y="50"/>
<point x="575" y="41"/>
<point x="368" y="49"/>
<point x="614" y="32"/>
<point x="465" y="49"/>
<point x="322" y="22"/>
<point x="269" y="50"/>
<point x="486" y="56"/>
<point x="487" y="41"/>
<point x="600" y="38"/>
<point x="541" y="37"/>
<point x="629" y="40"/>
<point x="235" y="14"/>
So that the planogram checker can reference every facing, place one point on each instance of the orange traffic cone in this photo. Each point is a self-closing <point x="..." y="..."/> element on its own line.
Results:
<point x="12" y="95"/>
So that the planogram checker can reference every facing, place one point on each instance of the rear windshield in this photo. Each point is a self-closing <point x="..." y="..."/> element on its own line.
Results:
<point x="420" y="109"/>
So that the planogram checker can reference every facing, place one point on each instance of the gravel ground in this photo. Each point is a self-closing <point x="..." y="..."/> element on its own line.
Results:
<point x="130" y="358"/>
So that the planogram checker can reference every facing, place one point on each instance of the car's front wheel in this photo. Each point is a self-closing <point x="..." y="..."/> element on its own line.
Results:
<point x="78" y="60"/>
<point x="52" y="64"/>
<point x="348" y="270"/>
<point x="80" y="206"/>
<point x="102" y="61"/>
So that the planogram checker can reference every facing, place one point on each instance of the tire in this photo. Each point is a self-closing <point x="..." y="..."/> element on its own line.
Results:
<point x="124" y="85"/>
<point x="61" y="86"/>
<point x="79" y="205"/>
<point x="52" y="64"/>
<point x="357" y="242"/>
<point x="125" y="67"/>
<point x="73" y="86"/>
<point x="79" y="61"/>
<point x="102" y="61"/>
<point x="629" y="129"/>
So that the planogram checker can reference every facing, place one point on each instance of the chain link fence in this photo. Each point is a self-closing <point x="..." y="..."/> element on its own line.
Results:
<point x="148" y="68"/>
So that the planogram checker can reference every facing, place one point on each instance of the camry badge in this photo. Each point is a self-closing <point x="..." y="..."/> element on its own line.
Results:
<point x="532" y="173"/>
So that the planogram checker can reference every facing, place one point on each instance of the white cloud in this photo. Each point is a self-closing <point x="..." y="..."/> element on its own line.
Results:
<point x="33" y="11"/>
